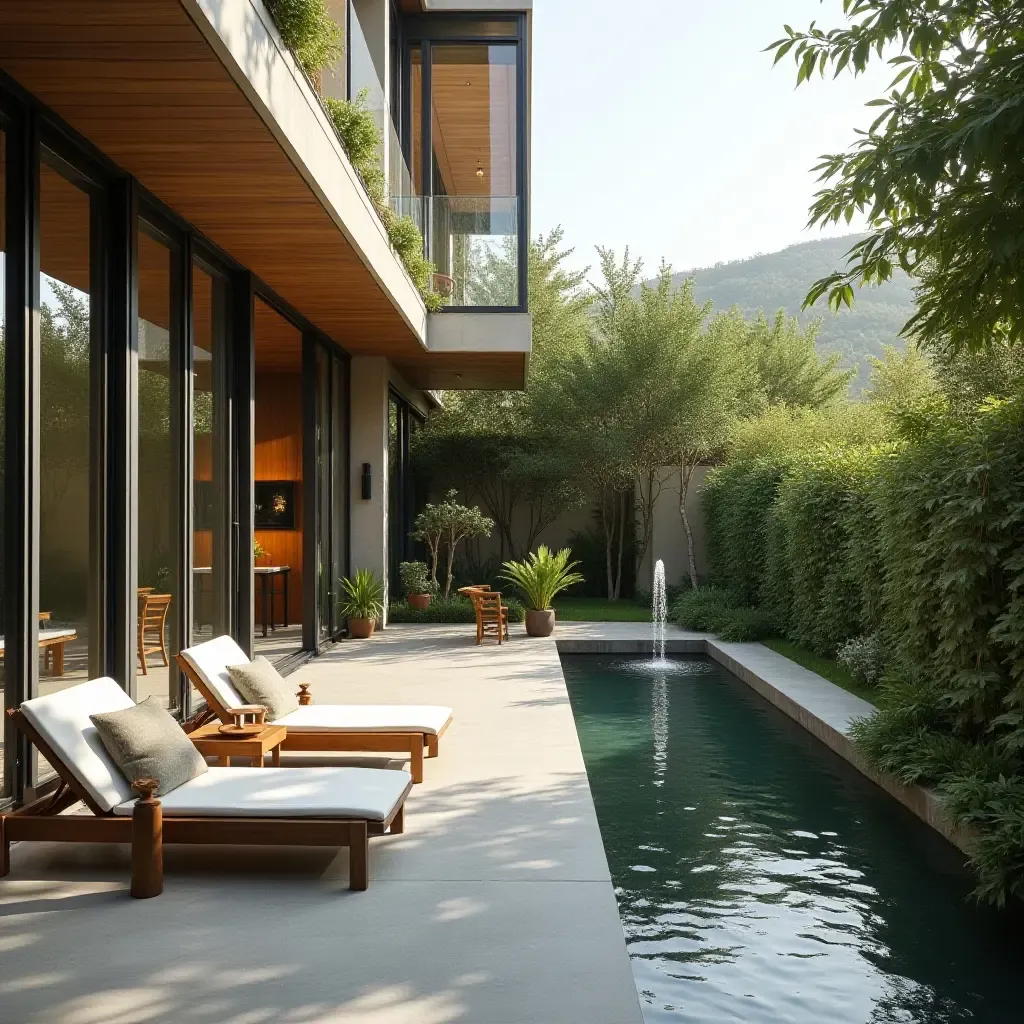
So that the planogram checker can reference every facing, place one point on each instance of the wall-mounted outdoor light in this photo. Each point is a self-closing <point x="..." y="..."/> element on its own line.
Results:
<point x="367" y="483"/>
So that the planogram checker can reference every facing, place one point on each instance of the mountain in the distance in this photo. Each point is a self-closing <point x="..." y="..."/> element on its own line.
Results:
<point x="780" y="280"/>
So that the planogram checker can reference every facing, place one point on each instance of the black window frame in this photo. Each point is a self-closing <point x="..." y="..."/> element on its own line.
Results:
<point x="119" y="204"/>
<point x="456" y="28"/>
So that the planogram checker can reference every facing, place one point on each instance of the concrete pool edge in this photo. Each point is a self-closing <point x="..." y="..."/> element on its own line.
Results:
<point x="825" y="710"/>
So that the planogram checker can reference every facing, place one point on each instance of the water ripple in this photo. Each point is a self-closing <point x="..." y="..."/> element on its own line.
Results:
<point x="760" y="879"/>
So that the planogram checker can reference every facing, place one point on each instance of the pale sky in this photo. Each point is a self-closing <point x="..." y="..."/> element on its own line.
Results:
<point x="660" y="124"/>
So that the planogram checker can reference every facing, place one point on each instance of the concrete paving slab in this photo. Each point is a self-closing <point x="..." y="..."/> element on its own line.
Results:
<point x="495" y="906"/>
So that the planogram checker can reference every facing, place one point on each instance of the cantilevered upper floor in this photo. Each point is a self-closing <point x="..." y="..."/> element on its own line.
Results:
<point x="203" y="103"/>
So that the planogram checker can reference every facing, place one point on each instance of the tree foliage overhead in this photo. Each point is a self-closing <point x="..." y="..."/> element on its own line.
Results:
<point x="786" y="363"/>
<point x="940" y="172"/>
<point x="487" y="443"/>
<point x="778" y="281"/>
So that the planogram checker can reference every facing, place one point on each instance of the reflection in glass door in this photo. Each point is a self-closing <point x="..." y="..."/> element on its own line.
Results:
<point x="158" y="587"/>
<point x="340" y="475"/>
<point x="210" y="608"/>
<point x="69" y="486"/>
<point x="3" y="307"/>
<point x="326" y="584"/>
<point x="68" y="545"/>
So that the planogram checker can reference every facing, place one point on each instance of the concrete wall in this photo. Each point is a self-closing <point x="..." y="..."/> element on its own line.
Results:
<point x="369" y="443"/>
<point x="668" y="540"/>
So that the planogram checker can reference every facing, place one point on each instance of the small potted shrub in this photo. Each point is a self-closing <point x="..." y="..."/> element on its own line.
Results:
<point x="362" y="602"/>
<point x="543" y="575"/>
<point x="416" y="583"/>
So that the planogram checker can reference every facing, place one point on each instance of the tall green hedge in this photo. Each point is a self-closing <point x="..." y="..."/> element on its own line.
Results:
<point x="737" y="502"/>
<point x="921" y="543"/>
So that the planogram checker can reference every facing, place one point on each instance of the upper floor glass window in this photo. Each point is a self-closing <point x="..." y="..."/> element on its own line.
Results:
<point x="464" y="137"/>
<point x="473" y="115"/>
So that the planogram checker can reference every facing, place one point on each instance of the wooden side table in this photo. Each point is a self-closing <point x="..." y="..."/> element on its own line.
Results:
<point x="210" y="742"/>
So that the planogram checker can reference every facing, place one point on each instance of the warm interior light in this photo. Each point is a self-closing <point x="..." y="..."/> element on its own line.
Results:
<point x="480" y="171"/>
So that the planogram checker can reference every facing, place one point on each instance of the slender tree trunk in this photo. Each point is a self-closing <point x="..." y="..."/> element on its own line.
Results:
<point x="609" y="533"/>
<point x="686" y="469"/>
<point x="622" y="543"/>
<point x="435" y="551"/>
<point x="451" y="561"/>
<point x="646" y="508"/>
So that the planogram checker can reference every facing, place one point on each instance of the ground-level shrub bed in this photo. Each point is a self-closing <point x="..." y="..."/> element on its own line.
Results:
<point x="717" y="610"/>
<point x="907" y="561"/>
<point x="457" y="609"/>
<point x="600" y="609"/>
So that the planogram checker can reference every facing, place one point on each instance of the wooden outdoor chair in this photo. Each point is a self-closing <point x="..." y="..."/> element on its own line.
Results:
<point x="243" y="806"/>
<point x="491" y="614"/>
<point x="416" y="728"/>
<point x="153" y="609"/>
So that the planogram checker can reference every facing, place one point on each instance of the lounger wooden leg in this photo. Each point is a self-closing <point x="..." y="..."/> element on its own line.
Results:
<point x="5" y="849"/>
<point x="147" y="842"/>
<point x="358" y="856"/>
<point x="416" y="757"/>
<point x="432" y="745"/>
<point x="398" y="822"/>
<point x="58" y="659"/>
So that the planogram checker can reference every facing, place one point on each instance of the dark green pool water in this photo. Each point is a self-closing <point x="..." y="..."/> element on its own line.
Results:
<point x="761" y="878"/>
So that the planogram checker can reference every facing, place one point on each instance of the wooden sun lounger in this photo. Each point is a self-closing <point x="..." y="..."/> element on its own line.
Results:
<point x="147" y="830"/>
<point x="334" y="740"/>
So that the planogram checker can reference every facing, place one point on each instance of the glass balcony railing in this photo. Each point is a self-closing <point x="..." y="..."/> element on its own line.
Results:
<point x="365" y="80"/>
<point x="473" y="242"/>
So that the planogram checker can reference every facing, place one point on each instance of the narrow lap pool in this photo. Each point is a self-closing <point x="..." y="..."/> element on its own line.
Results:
<point x="761" y="878"/>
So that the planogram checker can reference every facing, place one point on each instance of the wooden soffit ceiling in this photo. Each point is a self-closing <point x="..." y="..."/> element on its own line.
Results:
<point x="139" y="81"/>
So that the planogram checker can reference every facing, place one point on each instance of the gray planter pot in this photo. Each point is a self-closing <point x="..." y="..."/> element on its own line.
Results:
<point x="540" y="623"/>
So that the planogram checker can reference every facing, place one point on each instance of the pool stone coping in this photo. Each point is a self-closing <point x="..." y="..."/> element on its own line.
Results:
<point x="825" y="710"/>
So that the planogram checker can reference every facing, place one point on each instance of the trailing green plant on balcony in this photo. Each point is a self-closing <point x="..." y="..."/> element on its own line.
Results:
<point x="309" y="31"/>
<point x="316" y="41"/>
<point x="361" y="139"/>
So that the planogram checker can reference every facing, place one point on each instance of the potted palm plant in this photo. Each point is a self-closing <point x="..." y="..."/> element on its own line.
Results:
<point x="543" y="575"/>
<point x="362" y="602"/>
<point x="417" y="584"/>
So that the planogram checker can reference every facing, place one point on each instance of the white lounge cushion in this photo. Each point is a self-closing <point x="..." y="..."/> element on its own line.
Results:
<point x="62" y="719"/>
<point x="425" y="718"/>
<point x="370" y="793"/>
<point x="211" y="660"/>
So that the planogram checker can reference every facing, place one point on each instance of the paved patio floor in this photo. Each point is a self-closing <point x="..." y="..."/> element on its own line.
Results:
<point x="495" y="906"/>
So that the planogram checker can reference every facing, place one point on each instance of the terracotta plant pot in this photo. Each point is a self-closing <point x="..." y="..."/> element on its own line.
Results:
<point x="540" y="623"/>
<point x="421" y="602"/>
<point x="360" y="629"/>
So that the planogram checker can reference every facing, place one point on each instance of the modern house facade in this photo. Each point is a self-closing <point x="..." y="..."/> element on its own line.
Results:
<point x="213" y="360"/>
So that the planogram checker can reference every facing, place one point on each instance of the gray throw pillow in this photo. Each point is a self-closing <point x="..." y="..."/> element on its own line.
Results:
<point x="260" y="683"/>
<point x="146" y="742"/>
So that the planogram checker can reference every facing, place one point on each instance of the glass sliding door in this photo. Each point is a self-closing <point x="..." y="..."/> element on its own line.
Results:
<point x="340" y="475"/>
<point x="473" y="237"/>
<point x="326" y="583"/>
<point x="279" y="489"/>
<point x="68" y="480"/>
<point x="158" y="425"/>
<point x="210" y="548"/>
<point x="3" y="393"/>
<point x="70" y="440"/>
